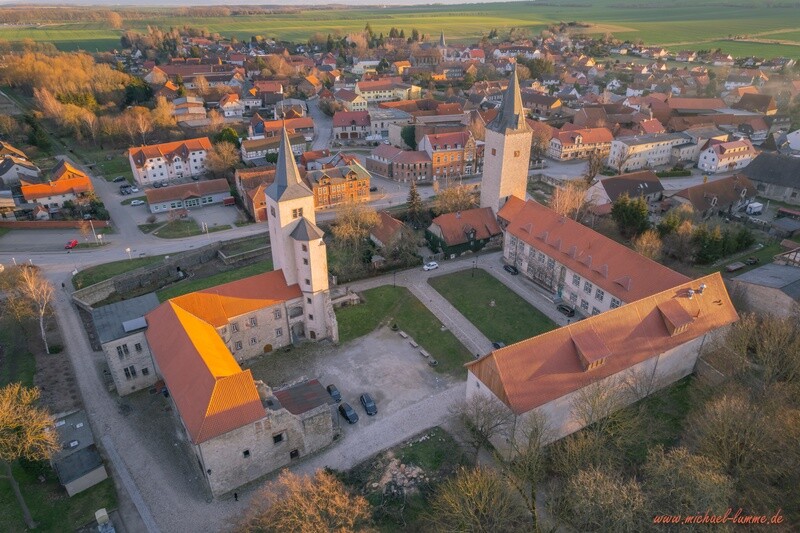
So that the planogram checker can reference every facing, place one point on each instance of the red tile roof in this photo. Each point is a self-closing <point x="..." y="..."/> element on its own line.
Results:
<point x="454" y="226"/>
<point x="168" y="151"/>
<point x="387" y="229"/>
<point x="343" y="119"/>
<point x="587" y="136"/>
<point x="611" y="266"/>
<point x="448" y="141"/>
<point x="65" y="179"/>
<point x="212" y="393"/>
<point x="544" y="368"/>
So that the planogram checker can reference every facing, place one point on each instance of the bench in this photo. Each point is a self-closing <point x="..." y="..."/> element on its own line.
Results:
<point x="423" y="353"/>
<point x="403" y="334"/>
<point x="413" y="344"/>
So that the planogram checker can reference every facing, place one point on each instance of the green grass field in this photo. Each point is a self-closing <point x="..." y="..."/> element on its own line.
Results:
<point x="511" y="320"/>
<point x="398" y="306"/>
<point x="96" y="274"/>
<point x="680" y="24"/>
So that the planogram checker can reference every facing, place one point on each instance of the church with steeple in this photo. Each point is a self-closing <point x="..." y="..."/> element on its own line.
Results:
<point x="298" y="249"/>
<point x="507" y="151"/>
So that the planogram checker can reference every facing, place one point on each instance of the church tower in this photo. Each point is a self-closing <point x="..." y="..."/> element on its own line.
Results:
<point x="297" y="246"/>
<point x="507" y="151"/>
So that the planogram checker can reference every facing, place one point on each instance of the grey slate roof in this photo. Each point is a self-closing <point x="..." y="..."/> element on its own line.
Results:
<point x="78" y="464"/>
<point x="776" y="169"/>
<point x="108" y="319"/>
<point x="306" y="231"/>
<point x="512" y="114"/>
<point x="288" y="184"/>
<point x="785" y="278"/>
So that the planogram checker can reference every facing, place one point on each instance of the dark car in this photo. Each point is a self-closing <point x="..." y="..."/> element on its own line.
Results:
<point x="511" y="269"/>
<point x="373" y="189"/>
<point x="348" y="413"/>
<point x="119" y="178"/>
<point x="369" y="404"/>
<point x="566" y="310"/>
<point x="334" y="392"/>
<point x="498" y="344"/>
<point x="157" y="184"/>
<point x="751" y="261"/>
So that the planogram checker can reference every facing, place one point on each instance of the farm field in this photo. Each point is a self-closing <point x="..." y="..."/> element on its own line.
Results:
<point x="679" y="25"/>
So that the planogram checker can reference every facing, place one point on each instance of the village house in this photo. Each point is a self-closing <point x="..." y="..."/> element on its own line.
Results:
<point x="643" y="151"/>
<point x="580" y="143"/>
<point x="77" y="462"/>
<point x="462" y="231"/>
<point x="775" y="177"/>
<point x="726" y="156"/>
<point x="646" y="345"/>
<point x="586" y="269"/>
<point x="452" y="154"/>
<point x="231" y="106"/>
<point x="387" y="232"/>
<point x="260" y="128"/>
<point x="773" y="288"/>
<point x="259" y="148"/>
<point x="398" y="164"/>
<point x="387" y="89"/>
<point x="65" y="184"/>
<point x="540" y="104"/>
<point x="188" y="195"/>
<point x="15" y="165"/>
<point x="351" y="125"/>
<point x="173" y="160"/>
<point x="381" y="119"/>
<point x="332" y="186"/>
<point x="251" y="184"/>
<point x="719" y="197"/>
<point x="350" y="100"/>
<point x="642" y="184"/>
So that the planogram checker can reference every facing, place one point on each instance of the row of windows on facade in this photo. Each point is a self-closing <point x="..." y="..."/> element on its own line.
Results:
<point x="130" y="372"/>
<point x="277" y="439"/>
<point x="122" y="350"/>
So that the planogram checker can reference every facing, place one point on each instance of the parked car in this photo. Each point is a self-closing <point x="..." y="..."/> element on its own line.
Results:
<point x="369" y="404"/>
<point x="134" y="189"/>
<point x="373" y="189"/>
<point x="165" y="183"/>
<point x="433" y="265"/>
<point x="566" y="310"/>
<point x="511" y="269"/>
<point x="334" y="392"/>
<point x="71" y="244"/>
<point x="156" y="184"/>
<point x="348" y="413"/>
<point x="119" y="179"/>
<point x="137" y="202"/>
<point x="498" y="344"/>
<point x="195" y="178"/>
<point x="752" y="261"/>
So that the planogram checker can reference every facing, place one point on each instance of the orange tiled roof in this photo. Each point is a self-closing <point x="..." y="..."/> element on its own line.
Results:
<point x="454" y="226"/>
<point x="544" y="368"/>
<point x="611" y="266"/>
<point x="66" y="179"/>
<point x="169" y="151"/>
<point x="212" y="393"/>
<point x="387" y="228"/>
<point x="588" y="136"/>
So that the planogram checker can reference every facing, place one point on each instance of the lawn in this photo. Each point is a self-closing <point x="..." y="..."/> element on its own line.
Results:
<point x="3" y="231"/>
<point x="396" y="305"/>
<point x="764" y="256"/>
<point x="16" y="363"/>
<point x="50" y="506"/>
<point x="511" y="320"/>
<point x="96" y="274"/>
<point x="245" y="245"/>
<point x="191" y="285"/>
<point x="147" y="228"/>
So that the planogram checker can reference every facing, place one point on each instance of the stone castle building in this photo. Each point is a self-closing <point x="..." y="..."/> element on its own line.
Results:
<point x="237" y="427"/>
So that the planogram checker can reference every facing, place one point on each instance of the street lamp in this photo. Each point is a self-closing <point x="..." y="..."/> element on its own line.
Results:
<point x="128" y="250"/>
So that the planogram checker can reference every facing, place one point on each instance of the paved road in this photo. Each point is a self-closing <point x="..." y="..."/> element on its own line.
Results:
<point x="323" y="126"/>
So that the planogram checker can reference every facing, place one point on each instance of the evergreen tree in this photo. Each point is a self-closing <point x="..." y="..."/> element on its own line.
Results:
<point x="630" y="215"/>
<point x="415" y="207"/>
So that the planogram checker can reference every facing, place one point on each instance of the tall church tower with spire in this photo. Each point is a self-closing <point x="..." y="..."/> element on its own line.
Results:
<point x="297" y="246"/>
<point x="507" y="151"/>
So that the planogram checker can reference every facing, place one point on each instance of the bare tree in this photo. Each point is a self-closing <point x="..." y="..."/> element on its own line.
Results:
<point x="623" y="160"/>
<point x="477" y="500"/>
<point x="602" y="500"/>
<point x="679" y="482"/>
<point x="164" y="113"/>
<point x="455" y="198"/>
<point x="8" y="125"/>
<point x="201" y="85"/>
<point x="298" y="504"/>
<point x="540" y="142"/>
<point x="26" y="432"/>
<point x="143" y="122"/>
<point x="39" y="292"/>
<point x="352" y="224"/>
<point x="215" y="121"/>
<point x="85" y="228"/>
<point x="91" y="124"/>
<point x="648" y="244"/>
<point x="222" y="158"/>
<point x="569" y="200"/>
<point x="484" y="418"/>
<point x="594" y="165"/>
<point x="526" y="468"/>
